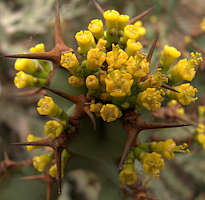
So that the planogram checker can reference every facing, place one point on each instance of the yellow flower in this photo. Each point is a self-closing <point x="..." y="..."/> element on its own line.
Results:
<point x="23" y="80"/>
<point x="111" y="19"/>
<point x="38" y="48"/>
<point x="53" y="128"/>
<point x="180" y="111"/>
<point x="153" y="19"/>
<point x="110" y="112"/>
<point x="32" y="138"/>
<point x="96" y="28"/>
<point x="26" y="65"/>
<point x="95" y="59"/>
<point x="138" y="66"/>
<point x="202" y="25"/>
<point x="200" y="128"/>
<point x="150" y="99"/>
<point x="92" y="82"/>
<point x="185" y="95"/>
<point x="133" y="47"/>
<point x="102" y="75"/>
<point x="42" y="161"/>
<point x="85" y="41"/>
<point x="185" y="69"/>
<point x="123" y="21"/>
<point x="76" y="81"/>
<point x="152" y="163"/>
<point x="201" y="111"/>
<point x="187" y="39"/>
<point x="70" y="62"/>
<point x="53" y="171"/>
<point x="169" y="56"/>
<point x="168" y="148"/>
<point x="101" y="44"/>
<point x="200" y="138"/>
<point x="171" y="103"/>
<point x="118" y="83"/>
<point x="154" y="81"/>
<point x="128" y="175"/>
<point x="46" y="106"/>
<point x="116" y="58"/>
<point x="96" y="107"/>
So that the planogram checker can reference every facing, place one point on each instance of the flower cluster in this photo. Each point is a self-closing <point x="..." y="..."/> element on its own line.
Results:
<point x="116" y="71"/>
<point x="151" y="157"/>
<point x="32" y="73"/>
<point x="52" y="129"/>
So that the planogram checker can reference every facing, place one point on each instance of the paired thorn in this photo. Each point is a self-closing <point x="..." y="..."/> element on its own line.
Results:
<point x="169" y="87"/>
<point x="99" y="8"/>
<point x="142" y="15"/>
<point x="151" y="51"/>
<point x="133" y="125"/>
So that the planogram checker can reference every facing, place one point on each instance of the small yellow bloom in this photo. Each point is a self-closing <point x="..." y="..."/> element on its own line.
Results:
<point x="92" y="82"/>
<point x="171" y="103"/>
<point x="128" y="175"/>
<point x="201" y="111"/>
<point x="200" y="138"/>
<point x="76" y="81"/>
<point x="123" y="21"/>
<point x="70" y="62"/>
<point x="101" y="44"/>
<point x="200" y="128"/>
<point x="168" y="148"/>
<point x="102" y="75"/>
<point x="23" y="80"/>
<point x="46" y="106"/>
<point x="85" y="41"/>
<point x="184" y="70"/>
<point x="111" y="19"/>
<point x="180" y="111"/>
<point x="202" y="25"/>
<point x="95" y="59"/>
<point x="154" y="81"/>
<point x="32" y="138"/>
<point x="96" y="107"/>
<point x="110" y="112"/>
<point x="185" y="95"/>
<point x="131" y="32"/>
<point x="150" y="99"/>
<point x="118" y="83"/>
<point x="133" y="47"/>
<point x="187" y="39"/>
<point x="38" y="48"/>
<point x="96" y="28"/>
<point x="42" y="161"/>
<point x="53" y="171"/>
<point x="169" y="56"/>
<point x="153" y="19"/>
<point x="152" y="163"/>
<point x="116" y="58"/>
<point x="138" y="66"/>
<point x="53" y="128"/>
<point x="26" y="65"/>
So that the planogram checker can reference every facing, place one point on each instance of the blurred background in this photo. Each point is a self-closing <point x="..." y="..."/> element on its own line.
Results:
<point x="24" y="23"/>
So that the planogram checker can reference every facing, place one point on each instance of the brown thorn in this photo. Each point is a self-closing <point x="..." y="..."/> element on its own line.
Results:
<point x="140" y="16"/>
<point x="58" y="31"/>
<point x="29" y="92"/>
<point x="59" y="169"/>
<point x="38" y="143"/>
<point x="168" y="87"/>
<point x="36" y="177"/>
<point x="91" y="116"/>
<point x="155" y="125"/>
<point x="151" y="51"/>
<point x="130" y="138"/>
<point x="73" y="99"/>
<point x="43" y="56"/>
<point x="99" y="8"/>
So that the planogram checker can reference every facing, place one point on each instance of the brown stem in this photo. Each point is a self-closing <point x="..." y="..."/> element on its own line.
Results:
<point x="140" y="16"/>
<point x="168" y="87"/>
<point x="151" y="51"/>
<point x="59" y="169"/>
<point x="99" y="8"/>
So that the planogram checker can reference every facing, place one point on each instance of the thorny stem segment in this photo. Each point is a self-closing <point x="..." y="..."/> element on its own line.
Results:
<point x="151" y="51"/>
<point x="133" y="125"/>
<point x="45" y="177"/>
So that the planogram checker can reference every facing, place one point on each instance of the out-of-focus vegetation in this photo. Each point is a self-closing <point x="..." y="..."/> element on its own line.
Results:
<point x="24" y="23"/>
